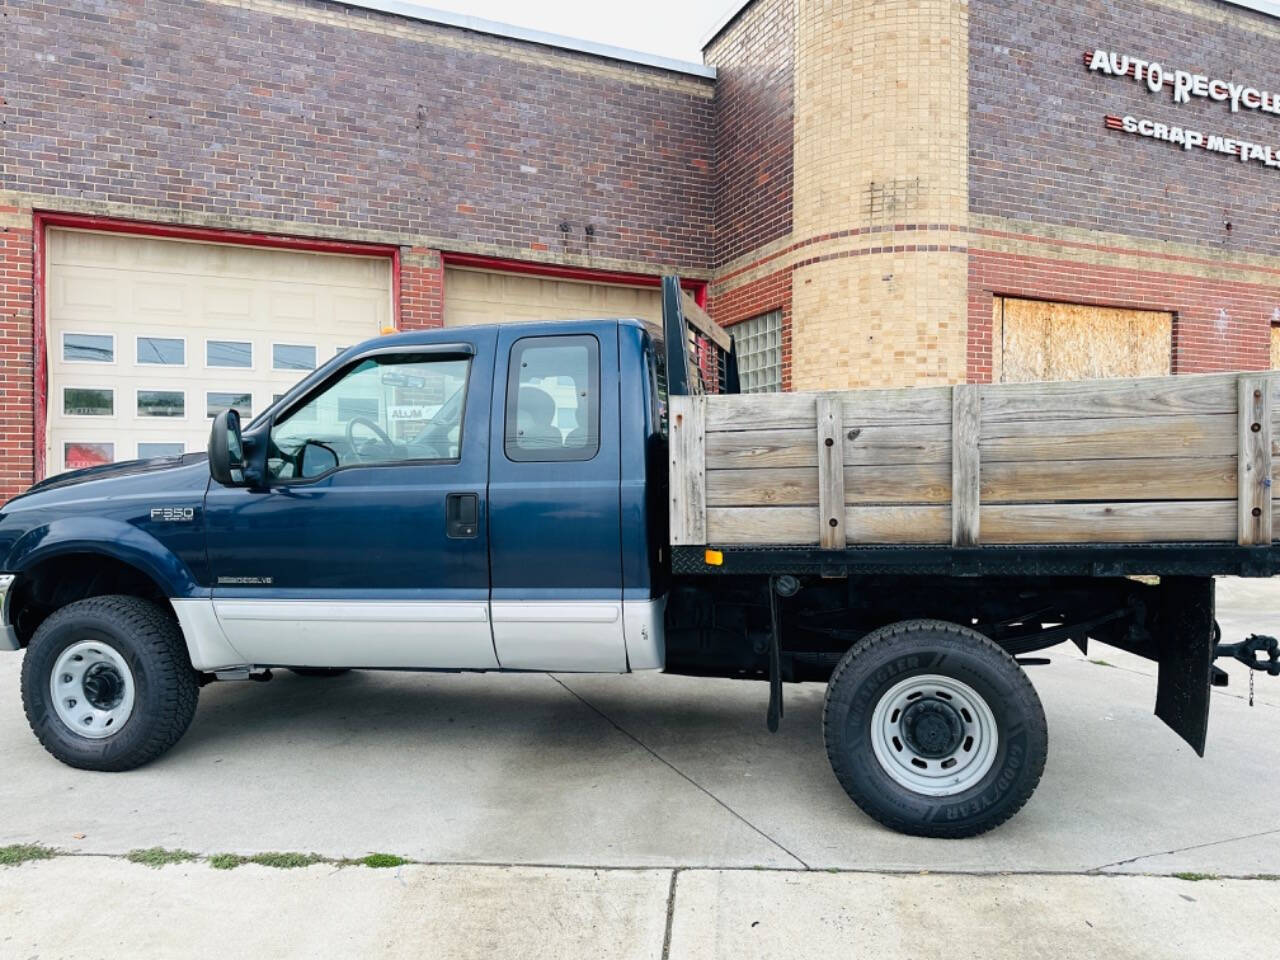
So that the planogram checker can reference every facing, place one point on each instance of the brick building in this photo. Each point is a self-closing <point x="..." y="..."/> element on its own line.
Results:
<point x="200" y="199"/>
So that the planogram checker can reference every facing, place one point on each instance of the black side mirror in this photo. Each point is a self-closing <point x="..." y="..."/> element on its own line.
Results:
<point x="316" y="459"/>
<point x="226" y="450"/>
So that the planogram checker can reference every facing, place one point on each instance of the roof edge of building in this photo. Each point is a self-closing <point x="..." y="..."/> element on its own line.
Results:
<point x="735" y="9"/>
<point x="462" y="21"/>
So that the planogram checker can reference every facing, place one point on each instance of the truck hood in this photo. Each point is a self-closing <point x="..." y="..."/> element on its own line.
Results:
<point x="186" y="473"/>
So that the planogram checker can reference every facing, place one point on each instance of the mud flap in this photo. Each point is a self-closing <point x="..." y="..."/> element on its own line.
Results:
<point x="1184" y="641"/>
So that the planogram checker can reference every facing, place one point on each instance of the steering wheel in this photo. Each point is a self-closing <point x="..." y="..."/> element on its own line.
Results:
<point x="377" y="430"/>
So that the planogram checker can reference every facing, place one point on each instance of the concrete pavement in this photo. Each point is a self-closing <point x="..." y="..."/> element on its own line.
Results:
<point x="646" y="771"/>
<point x="463" y="912"/>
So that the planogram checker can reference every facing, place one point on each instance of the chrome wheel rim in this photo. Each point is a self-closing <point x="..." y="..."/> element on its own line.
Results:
<point x="92" y="690"/>
<point x="934" y="735"/>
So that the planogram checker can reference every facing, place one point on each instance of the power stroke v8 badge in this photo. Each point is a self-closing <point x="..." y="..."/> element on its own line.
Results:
<point x="173" y="514"/>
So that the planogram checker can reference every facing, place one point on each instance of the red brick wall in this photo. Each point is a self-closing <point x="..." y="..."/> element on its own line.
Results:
<point x="772" y="292"/>
<point x="754" y="61"/>
<point x="215" y="111"/>
<point x="1218" y="324"/>
<point x="17" y="415"/>
<point x="421" y="289"/>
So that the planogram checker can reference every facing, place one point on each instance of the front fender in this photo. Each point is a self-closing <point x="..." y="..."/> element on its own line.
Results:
<point x="108" y="538"/>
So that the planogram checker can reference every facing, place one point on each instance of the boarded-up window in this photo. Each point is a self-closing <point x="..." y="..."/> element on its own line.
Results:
<point x="1275" y="346"/>
<point x="1038" y="340"/>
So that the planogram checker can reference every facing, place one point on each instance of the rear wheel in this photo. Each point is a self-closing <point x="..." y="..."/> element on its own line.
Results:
<point x="107" y="684"/>
<point x="934" y="730"/>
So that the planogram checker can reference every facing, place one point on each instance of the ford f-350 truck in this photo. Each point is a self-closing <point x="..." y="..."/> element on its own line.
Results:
<point x="595" y="496"/>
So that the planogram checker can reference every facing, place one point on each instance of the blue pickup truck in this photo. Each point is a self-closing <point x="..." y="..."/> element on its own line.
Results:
<point x="496" y="498"/>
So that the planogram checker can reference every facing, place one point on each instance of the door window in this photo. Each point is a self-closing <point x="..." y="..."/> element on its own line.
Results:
<point x="388" y="409"/>
<point x="553" y="399"/>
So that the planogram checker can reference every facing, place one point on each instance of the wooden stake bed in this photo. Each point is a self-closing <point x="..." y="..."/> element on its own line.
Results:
<point x="1169" y="459"/>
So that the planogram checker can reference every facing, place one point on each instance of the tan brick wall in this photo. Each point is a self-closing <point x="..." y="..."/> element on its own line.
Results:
<point x="881" y="140"/>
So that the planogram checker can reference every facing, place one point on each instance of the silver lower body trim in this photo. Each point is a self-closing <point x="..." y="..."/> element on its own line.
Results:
<point x="8" y="636"/>
<point x="644" y="627"/>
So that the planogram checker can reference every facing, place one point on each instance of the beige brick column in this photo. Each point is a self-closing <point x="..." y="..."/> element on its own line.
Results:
<point x="881" y="180"/>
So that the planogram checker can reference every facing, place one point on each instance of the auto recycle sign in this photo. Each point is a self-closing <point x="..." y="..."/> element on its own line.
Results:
<point x="1185" y="86"/>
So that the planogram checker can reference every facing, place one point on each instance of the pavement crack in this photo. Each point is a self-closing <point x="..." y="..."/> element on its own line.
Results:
<point x="674" y="769"/>
<point x="1194" y="846"/>
<point x="671" y="915"/>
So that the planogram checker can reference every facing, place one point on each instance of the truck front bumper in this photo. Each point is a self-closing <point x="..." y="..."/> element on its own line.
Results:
<point x="8" y="636"/>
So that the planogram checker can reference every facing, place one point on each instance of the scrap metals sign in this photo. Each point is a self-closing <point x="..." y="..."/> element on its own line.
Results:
<point x="1185" y="87"/>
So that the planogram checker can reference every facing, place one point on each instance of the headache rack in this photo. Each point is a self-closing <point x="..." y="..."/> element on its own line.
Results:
<point x="700" y="353"/>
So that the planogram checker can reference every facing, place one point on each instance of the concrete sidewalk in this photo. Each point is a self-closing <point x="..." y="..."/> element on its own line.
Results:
<point x="106" y="908"/>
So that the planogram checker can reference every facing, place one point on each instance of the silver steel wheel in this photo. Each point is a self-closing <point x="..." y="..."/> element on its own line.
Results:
<point x="92" y="689"/>
<point x="934" y="735"/>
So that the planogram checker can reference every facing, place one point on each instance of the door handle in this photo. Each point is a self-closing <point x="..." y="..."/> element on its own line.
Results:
<point x="462" y="516"/>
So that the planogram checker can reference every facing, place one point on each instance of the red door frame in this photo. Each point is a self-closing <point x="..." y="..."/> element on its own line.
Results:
<point x="583" y="274"/>
<point x="43" y="219"/>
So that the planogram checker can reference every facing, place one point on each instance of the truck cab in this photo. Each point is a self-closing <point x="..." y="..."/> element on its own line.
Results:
<point x="469" y="499"/>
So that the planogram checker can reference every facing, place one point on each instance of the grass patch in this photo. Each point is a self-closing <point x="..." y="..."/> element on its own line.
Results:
<point x="285" y="861"/>
<point x="18" y="853"/>
<point x="1194" y="877"/>
<point x="227" y="861"/>
<point x="381" y="861"/>
<point x="160" y="857"/>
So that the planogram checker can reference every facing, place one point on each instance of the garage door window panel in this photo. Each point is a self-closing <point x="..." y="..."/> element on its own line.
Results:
<point x="161" y="351"/>
<point x="78" y="454"/>
<point x="161" y="403"/>
<point x="553" y="399"/>
<point x="236" y="354"/>
<point x="398" y="408"/>
<point x="88" y="402"/>
<point x="293" y="356"/>
<point x="149" y="451"/>
<point x="216" y="402"/>
<point x="88" y="347"/>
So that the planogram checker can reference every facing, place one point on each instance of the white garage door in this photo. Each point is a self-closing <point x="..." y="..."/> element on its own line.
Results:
<point x="148" y="337"/>
<point x="483" y="296"/>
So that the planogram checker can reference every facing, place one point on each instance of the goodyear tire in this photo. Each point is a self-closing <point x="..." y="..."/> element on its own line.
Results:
<point x="934" y="730"/>
<point x="107" y="684"/>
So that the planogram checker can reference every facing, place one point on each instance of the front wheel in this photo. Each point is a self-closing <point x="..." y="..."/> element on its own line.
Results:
<point x="107" y="684"/>
<point x="934" y="730"/>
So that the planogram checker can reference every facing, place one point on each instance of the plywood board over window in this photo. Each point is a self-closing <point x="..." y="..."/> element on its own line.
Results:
<point x="1275" y="346"/>
<point x="1042" y="340"/>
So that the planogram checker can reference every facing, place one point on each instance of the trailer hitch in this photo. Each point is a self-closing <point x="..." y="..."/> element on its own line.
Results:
<point x="1258" y="652"/>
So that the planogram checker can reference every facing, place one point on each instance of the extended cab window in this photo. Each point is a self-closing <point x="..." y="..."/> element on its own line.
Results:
<point x="553" y="399"/>
<point x="386" y="409"/>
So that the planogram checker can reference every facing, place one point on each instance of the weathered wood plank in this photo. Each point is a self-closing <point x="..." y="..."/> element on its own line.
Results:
<point x="798" y="486"/>
<point x="687" y="475"/>
<point x="1092" y="399"/>
<point x="1254" y="472"/>
<point x="1167" y="521"/>
<point x="727" y="526"/>
<point x="869" y="446"/>
<point x="966" y="418"/>
<point x="702" y="322"/>
<point x="1212" y="435"/>
<point x="1174" y="478"/>
<point x="831" y="532"/>
<point x="859" y="408"/>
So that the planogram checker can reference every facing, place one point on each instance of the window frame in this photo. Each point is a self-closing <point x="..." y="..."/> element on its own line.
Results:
<point x="148" y="365"/>
<point x="315" y="351"/>
<point x="153" y="418"/>
<point x="253" y="355"/>
<point x="98" y="417"/>
<point x="115" y="348"/>
<point x="509" y="417"/>
<point x="431" y="352"/>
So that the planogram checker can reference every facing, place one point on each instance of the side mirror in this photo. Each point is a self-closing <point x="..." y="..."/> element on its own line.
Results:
<point x="316" y="459"/>
<point x="226" y="450"/>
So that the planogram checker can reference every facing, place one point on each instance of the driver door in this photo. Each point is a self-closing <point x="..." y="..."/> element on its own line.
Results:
<point x="368" y="546"/>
